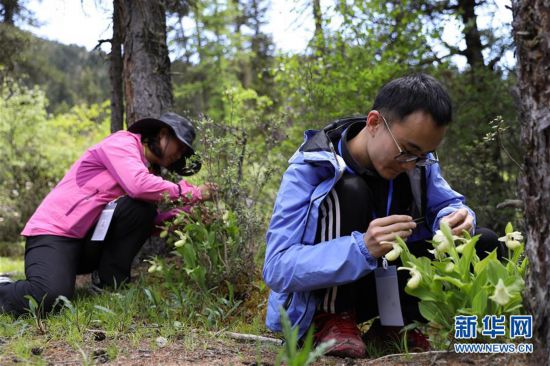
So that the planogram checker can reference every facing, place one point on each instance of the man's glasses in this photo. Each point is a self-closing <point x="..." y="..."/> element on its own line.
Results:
<point x="406" y="157"/>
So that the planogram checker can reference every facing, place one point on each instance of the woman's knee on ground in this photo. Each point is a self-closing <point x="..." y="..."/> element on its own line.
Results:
<point x="47" y="293"/>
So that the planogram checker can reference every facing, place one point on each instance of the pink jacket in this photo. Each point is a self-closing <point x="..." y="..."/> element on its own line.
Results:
<point x="114" y="167"/>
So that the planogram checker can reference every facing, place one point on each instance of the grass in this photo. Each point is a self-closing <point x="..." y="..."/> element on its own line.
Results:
<point x="14" y="266"/>
<point x="130" y="318"/>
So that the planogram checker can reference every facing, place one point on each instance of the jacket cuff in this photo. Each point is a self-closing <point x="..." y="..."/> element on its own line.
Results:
<point x="189" y="192"/>
<point x="358" y="238"/>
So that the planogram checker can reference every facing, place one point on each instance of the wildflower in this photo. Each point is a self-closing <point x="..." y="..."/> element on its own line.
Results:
<point x="460" y="248"/>
<point x="181" y="242"/>
<point x="437" y="254"/>
<point x="512" y="240"/>
<point x="441" y="241"/>
<point x="395" y="252"/>
<point x="416" y="276"/>
<point x="501" y="295"/>
<point x="155" y="267"/>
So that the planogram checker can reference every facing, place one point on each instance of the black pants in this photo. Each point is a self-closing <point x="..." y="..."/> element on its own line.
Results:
<point x="349" y="208"/>
<point x="52" y="262"/>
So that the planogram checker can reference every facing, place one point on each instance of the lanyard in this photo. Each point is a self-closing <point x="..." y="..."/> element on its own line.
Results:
<point x="390" y="197"/>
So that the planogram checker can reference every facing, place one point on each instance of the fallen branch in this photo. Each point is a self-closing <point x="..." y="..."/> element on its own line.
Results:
<point x="510" y="203"/>
<point x="396" y="355"/>
<point x="253" y="338"/>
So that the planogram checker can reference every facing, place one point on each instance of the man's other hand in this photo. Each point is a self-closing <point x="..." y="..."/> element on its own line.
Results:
<point x="386" y="229"/>
<point x="459" y="220"/>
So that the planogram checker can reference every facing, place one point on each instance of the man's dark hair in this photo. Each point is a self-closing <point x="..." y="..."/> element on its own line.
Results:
<point x="408" y="94"/>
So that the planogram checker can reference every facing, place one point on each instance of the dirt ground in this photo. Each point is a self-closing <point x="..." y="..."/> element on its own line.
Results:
<point x="217" y="349"/>
<point x="224" y="351"/>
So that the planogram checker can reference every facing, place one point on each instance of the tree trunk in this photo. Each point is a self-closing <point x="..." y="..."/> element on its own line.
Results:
<point x="9" y="8"/>
<point x="471" y="33"/>
<point x="318" y="36"/>
<point x="531" y="24"/>
<point x="147" y="84"/>
<point x="115" y="70"/>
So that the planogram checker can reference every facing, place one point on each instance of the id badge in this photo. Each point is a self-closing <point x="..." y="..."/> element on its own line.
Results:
<point x="387" y="295"/>
<point x="104" y="221"/>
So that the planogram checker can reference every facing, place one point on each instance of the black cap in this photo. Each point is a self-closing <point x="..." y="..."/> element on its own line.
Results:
<point x="183" y="130"/>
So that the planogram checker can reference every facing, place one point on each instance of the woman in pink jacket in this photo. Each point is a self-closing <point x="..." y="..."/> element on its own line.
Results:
<point x="99" y="215"/>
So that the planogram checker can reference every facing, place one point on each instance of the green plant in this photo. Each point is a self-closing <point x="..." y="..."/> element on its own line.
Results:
<point x="74" y="316"/>
<point x="292" y="354"/>
<point x="457" y="282"/>
<point x="207" y="243"/>
<point x="35" y="310"/>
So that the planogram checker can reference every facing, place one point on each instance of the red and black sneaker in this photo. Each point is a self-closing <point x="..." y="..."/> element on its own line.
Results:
<point x="386" y="339"/>
<point x="343" y="329"/>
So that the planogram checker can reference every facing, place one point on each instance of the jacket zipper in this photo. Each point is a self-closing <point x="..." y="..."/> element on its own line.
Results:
<point x="80" y="201"/>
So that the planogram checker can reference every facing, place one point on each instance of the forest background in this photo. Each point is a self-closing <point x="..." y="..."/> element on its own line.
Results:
<point x="252" y="102"/>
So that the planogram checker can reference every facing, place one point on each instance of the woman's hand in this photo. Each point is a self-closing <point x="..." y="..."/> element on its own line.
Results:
<point x="208" y="190"/>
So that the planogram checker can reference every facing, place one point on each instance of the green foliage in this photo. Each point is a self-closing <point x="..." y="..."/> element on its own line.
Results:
<point x="292" y="354"/>
<point x="220" y="52"/>
<point x="36" y="312"/>
<point x="482" y="143"/>
<point x="32" y="158"/>
<point x="69" y="75"/>
<point x="457" y="282"/>
<point x="376" y="42"/>
<point x="13" y="42"/>
<point x="209" y="246"/>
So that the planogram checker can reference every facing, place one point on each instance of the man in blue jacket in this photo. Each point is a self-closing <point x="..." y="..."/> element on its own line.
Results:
<point x="349" y="189"/>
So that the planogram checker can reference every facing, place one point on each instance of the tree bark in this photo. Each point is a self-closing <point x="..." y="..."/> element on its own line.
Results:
<point x="318" y="36"/>
<point x="147" y="83"/>
<point x="116" y="70"/>
<point x="9" y="9"/>
<point x="531" y="24"/>
<point x="471" y="33"/>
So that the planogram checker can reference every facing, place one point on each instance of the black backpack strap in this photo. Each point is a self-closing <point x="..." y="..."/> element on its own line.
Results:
<point x="423" y="191"/>
<point x="335" y="129"/>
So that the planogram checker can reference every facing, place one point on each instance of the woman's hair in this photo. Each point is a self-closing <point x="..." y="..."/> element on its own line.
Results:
<point x="151" y="139"/>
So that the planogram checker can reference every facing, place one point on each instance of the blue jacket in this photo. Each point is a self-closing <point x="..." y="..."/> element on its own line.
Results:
<point x="294" y="267"/>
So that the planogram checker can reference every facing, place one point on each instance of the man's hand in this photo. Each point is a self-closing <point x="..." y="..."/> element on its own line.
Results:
<point x="459" y="220"/>
<point x="386" y="229"/>
<point x="208" y="190"/>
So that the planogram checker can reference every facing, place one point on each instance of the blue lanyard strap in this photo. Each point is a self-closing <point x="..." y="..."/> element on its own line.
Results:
<point x="390" y="196"/>
<point x="388" y="204"/>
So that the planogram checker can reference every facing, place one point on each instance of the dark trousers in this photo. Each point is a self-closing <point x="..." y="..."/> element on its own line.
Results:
<point x="52" y="262"/>
<point x="349" y="208"/>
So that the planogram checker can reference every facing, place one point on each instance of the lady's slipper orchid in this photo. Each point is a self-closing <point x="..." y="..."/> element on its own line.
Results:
<point x="416" y="276"/>
<point x="512" y="240"/>
<point x="442" y="244"/>
<point x="501" y="295"/>
<point x="395" y="252"/>
<point x="181" y="242"/>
